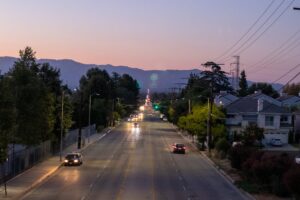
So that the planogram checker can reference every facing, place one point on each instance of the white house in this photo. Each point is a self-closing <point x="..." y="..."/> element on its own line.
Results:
<point x="275" y="120"/>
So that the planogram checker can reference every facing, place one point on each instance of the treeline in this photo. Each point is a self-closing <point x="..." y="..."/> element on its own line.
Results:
<point x="32" y="95"/>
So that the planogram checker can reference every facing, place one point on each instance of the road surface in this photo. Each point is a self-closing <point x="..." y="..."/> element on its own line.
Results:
<point x="137" y="163"/>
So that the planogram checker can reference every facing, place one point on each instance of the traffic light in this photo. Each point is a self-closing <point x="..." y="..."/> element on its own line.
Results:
<point x="156" y="106"/>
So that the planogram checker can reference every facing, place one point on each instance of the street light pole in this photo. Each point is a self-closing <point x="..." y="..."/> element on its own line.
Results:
<point x="90" y="105"/>
<point x="79" y="124"/>
<point x="61" y="125"/>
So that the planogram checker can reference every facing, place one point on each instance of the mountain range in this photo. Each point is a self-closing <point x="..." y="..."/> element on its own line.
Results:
<point x="71" y="72"/>
<point x="155" y="80"/>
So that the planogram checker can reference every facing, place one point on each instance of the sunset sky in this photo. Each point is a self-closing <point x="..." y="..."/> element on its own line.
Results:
<point x="157" y="34"/>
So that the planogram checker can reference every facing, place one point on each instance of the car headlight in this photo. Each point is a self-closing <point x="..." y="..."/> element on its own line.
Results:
<point x="76" y="161"/>
<point x="66" y="160"/>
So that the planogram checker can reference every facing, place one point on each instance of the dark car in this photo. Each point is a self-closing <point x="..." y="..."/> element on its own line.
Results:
<point x="178" y="148"/>
<point x="73" y="159"/>
<point x="135" y="125"/>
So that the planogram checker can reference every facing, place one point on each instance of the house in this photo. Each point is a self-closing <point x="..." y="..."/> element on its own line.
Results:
<point x="274" y="119"/>
<point x="224" y="99"/>
<point x="289" y="100"/>
<point x="260" y="95"/>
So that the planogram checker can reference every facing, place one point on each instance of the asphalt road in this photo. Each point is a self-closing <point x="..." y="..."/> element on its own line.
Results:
<point x="130" y="163"/>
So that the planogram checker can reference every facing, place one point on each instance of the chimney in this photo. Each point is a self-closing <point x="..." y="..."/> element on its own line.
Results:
<point x="257" y="92"/>
<point x="260" y="105"/>
<point x="282" y="94"/>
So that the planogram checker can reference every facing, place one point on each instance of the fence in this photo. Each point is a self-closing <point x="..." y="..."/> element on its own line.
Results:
<point x="21" y="158"/>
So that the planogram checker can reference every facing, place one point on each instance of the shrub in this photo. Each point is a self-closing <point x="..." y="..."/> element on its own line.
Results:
<point x="291" y="180"/>
<point x="222" y="145"/>
<point x="239" y="154"/>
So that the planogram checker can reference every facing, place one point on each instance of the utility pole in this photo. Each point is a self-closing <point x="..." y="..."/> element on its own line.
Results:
<point x="189" y="106"/>
<point x="209" y="124"/>
<point x="296" y="8"/>
<point x="236" y="73"/>
<point x="79" y="123"/>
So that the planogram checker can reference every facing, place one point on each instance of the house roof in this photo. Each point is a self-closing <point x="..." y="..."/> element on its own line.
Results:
<point x="287" y="97"/>
<point x="227" y="96"/>
<point x="249" y="105"/>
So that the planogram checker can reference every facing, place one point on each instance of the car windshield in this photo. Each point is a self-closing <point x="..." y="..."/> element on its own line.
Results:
<point x="72" y="156"/>
<point x="179" y="145"/>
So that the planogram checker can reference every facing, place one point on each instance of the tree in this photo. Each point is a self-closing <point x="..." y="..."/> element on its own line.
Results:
<point x="264" y="88"/>
<point x="196" y="123"/>
<point x="32" y="101"/>
<point x="252" y="133"/>
<point x="243" y="91"/>
<point x="292" y="89"/>
<point x="214" y="78"/>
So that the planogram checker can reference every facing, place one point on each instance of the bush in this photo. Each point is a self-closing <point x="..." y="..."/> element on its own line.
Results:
<point x="222" y="145"/>
<point x="239" y="154"/>
<point x="267" y="170"/>
<point x="291" y="180"/>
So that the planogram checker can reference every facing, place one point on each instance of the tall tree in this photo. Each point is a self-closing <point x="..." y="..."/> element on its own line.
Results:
<point x="214" y="78"/>
<point x="292" y="89"/>
<point x="33" y="103"/>
<point x="243" y="91"/>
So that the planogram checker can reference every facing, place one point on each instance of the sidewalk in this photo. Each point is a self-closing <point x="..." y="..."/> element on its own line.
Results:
<point x="24" y="182"/>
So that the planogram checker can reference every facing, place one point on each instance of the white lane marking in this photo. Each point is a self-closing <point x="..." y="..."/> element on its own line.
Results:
<point x="91" y="185"/>
<point x="180" y="178"/>
<point x="82" y="198"/>
<point x="183" y="188"/>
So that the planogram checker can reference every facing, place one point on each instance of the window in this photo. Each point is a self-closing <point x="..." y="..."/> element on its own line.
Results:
<point x="269" y="121"/>
<point x="284" y="118"/>
<point x="250" y="118"/>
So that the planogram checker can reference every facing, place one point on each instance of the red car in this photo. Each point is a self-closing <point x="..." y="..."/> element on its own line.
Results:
<point x="178" y="148"/>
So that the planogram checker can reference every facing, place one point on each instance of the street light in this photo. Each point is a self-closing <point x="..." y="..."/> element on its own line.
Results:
<point x="90" y="105"/>
<point x="61" y="125"/>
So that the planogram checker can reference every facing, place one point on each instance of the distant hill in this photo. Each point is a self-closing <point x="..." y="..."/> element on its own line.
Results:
<point x="71" y="72"/>
<point x="155" y="80"/>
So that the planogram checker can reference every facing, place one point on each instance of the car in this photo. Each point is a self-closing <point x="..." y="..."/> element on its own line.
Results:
<point x="135" y="125"/>
<point x="297" y="159"/>
<point x="178" y="148"/>
<point x="164" y="119"/>
<point x="73" y="159"/>
<point x="276" y="142"/>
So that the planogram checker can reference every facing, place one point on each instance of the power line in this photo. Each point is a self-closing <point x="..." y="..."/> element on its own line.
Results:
<point x="295" y="67"/>
<point x="250" y="28"/>
<point x="247" y="47"/>
<point x="289" y="81"/>
<point x="276" y="58"/>
<point x="259" y="28"/>
<point x="272" y="53"/>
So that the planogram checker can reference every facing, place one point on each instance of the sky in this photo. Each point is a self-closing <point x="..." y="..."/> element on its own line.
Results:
<point x="159" y="34"/>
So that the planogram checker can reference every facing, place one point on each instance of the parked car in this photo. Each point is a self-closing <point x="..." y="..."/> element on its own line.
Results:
<point x="178" y="148"/>
<point x="297" y="159"/>
<point x="276" y="142"/>
<point x="73" y="159"/>
<point x="164" y="119"/>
